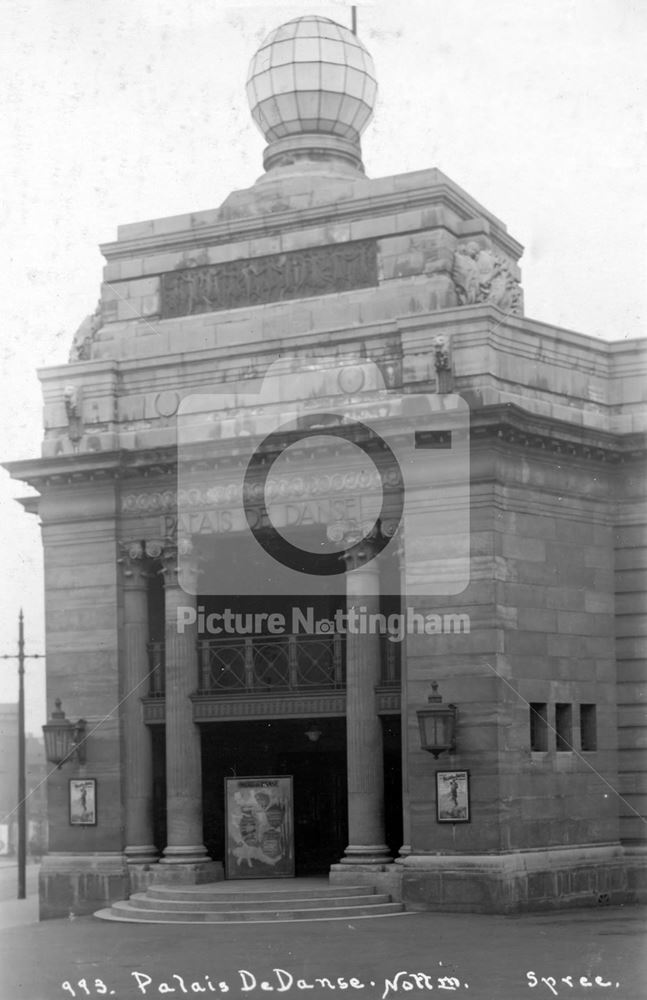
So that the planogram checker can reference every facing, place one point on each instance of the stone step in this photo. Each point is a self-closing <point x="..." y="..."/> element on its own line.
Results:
<point x="249" y="901"/>
<point x="126" y="911"/>
<point x="221" y="892"/>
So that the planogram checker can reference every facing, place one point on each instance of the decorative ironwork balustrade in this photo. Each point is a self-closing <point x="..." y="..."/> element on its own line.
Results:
<point x="271" y="663"/>
<point x="263" y="664"/>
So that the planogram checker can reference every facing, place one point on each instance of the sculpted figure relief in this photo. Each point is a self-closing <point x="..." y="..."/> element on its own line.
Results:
<point x="85" y="336"/>
<point x="480" y="275"/>
<point x="442" y="361"/>
<point x="315" y="271"/>
<point x="72" y="401"/>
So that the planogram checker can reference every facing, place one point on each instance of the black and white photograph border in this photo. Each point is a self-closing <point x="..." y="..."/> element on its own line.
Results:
<point x="412" y="208"/>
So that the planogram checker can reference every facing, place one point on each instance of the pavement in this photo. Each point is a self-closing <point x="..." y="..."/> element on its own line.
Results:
<point x="589" y="953"/>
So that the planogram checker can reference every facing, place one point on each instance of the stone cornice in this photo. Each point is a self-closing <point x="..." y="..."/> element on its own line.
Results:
<point x="29" y="504"/>
<point x="514" y="425"/>
<point x="370" y="206"/>
<point x="66" y="470"/>
<point x="508" y="422"/>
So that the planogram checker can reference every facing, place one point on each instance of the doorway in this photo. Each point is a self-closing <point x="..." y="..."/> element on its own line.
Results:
<point x="282" y="747"/>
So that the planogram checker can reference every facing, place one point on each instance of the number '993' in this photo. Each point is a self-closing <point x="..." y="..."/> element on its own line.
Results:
<point x="83" y="988"/>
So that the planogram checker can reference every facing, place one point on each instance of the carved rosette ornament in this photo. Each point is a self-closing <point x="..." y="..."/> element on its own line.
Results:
<point x="481" y="275"/>
<point x="154" y="549"/>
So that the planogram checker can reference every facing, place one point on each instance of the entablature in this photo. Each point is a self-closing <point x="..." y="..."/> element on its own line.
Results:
<point x="506" y="423"/>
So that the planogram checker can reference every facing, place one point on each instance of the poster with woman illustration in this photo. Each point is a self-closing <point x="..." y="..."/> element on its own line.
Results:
<point x="452" y="796"/>
<point x="83" y="801"/>
<point x="260" y="829"/>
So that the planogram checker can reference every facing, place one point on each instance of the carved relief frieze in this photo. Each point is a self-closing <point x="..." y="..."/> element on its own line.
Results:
<point x="425" y="253"/>
<point x="273" y="278"/>
<point x="205" y="709"/>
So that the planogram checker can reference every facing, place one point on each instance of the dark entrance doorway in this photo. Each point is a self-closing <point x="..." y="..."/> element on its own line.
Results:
<point x="319" y="769"/>
<point x="280" y="747"/>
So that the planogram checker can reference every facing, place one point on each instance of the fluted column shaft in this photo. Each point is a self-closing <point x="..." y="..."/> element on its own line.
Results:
<point x="137" y="743"/>
<point x="183" y="750"/>
<point x="364" y="744"/>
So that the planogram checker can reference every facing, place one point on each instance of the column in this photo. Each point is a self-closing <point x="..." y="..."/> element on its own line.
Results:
<point x="137" y="743"/>
<point x="365" y="759"/>
<point x="405" y="850"/>
<point x="185" y="850"/>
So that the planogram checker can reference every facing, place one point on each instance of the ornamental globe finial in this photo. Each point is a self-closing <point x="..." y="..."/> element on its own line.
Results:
<point x="311" y="88"/>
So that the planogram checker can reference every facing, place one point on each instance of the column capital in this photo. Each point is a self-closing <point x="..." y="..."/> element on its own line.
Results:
<point x="180" y="565"/>
<point x="135" y="565"/>
<point x="361" y="541"/>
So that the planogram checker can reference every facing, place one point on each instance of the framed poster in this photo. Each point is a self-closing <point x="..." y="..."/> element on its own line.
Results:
<point x="260" y="828"/>
<point x="453" y="796"/>
<point x="83" y="801"/>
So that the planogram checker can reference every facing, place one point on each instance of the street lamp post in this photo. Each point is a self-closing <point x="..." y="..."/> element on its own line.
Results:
<point x="22" y="784"/>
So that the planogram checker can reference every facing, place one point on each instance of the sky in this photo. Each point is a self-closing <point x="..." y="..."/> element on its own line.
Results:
<point x="117" y="112"/>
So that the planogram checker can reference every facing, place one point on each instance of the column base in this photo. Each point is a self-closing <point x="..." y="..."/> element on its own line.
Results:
<point x="145" y="855"/>
<point x="369" y="854"/>
<point x="184" y="854"/>
<point x="187" y="866"/>
<point x="382" y="877"/>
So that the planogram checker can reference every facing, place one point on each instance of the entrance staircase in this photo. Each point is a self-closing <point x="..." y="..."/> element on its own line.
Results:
<point x="257" y="901"/>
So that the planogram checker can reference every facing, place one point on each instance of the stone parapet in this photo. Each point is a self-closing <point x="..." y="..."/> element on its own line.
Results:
<point x="96" y="407"/>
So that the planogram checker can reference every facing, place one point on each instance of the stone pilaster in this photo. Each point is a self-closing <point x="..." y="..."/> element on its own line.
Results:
<point x="138" y="752"/>
<point x="184" y="853"/>
<point x="365" y="759"/>
<point x="405" y="849"/>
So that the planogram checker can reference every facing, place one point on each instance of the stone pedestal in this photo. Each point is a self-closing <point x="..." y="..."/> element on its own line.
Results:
<point x="74" y="884"/>
<point x="520" y="881"/>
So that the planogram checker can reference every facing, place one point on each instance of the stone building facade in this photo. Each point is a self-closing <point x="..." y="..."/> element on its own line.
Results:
<point x="361" y="292"/>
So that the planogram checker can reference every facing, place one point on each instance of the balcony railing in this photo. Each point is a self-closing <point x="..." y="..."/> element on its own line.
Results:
<point x="271" y="663"/>
<point x="264" y="664"/>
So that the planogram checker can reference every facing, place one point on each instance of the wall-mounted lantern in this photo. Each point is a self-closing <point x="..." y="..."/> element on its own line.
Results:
<point x="437" y="724"/>
<point x="64" y="739"/>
